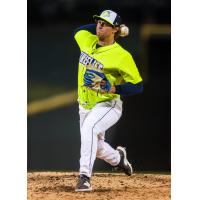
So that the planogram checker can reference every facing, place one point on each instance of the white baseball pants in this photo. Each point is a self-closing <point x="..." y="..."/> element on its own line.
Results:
<point x="93" y="124"/>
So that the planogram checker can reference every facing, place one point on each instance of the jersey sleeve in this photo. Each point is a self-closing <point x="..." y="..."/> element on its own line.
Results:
<point x="81" y="37"/>
<point x="129" y="70"/>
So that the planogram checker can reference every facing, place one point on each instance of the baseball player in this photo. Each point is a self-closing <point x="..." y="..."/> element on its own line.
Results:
<point x="106" y="72"/>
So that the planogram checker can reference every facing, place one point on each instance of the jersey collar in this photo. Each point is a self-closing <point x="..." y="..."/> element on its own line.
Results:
<point x="104" y="48"/>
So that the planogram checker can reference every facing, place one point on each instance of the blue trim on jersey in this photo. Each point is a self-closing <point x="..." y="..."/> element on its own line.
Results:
<point x="98" y="45"/>
<point x="128" y="89"/>
<point x="89" y="27"/>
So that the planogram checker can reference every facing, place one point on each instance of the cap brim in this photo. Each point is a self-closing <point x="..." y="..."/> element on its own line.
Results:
<point x="96" y="17"/>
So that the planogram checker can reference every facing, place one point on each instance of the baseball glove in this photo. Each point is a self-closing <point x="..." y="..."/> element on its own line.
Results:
<point x="96" y="81"/>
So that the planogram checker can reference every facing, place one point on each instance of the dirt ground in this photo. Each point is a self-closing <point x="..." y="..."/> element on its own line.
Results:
<point x="106" y="186"/>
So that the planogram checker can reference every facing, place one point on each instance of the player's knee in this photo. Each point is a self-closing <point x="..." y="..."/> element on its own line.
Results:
<point x="96" y="130"/>
<point x="100" y="148"/>
<point x="91" y="128"/>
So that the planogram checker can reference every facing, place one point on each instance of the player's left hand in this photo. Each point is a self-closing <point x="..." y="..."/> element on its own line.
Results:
<point x="96" y="81"/>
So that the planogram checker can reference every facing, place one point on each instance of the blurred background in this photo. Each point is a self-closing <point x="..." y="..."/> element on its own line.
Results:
<point x="53" y="120"/>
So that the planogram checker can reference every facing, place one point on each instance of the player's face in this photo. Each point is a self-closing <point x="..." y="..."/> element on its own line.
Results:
<point x="104" y="29"/>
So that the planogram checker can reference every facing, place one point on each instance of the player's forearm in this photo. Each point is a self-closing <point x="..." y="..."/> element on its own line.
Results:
<point x="89" y="27"/>
<point x="127" y="89"/>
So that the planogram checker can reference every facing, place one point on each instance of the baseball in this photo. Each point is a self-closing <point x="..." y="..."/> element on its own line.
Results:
<point x="124" y="31"/>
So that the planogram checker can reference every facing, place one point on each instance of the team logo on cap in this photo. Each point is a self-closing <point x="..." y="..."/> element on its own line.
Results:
<point x="105" y="13"/>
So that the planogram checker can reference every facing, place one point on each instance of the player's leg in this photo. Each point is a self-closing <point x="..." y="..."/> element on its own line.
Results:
<point x="83" y="183"/>
<point x="93" y="122"/>
<point x="82" y="115"/>
<point x="114" y="157"/>
<point x="106" y="152"/>
<point x="97" y="121"/>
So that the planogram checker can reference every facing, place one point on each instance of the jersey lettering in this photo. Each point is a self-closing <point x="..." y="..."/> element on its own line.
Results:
<point x="88" y="61"/>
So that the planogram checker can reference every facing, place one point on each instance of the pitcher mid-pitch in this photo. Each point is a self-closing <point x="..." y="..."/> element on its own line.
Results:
<point x="106" y="71"/>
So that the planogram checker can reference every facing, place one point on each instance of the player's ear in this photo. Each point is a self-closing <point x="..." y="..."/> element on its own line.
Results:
<point x="115" y="29"/>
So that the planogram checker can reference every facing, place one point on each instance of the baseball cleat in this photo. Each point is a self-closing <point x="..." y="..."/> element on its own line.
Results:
<point x="124" y="164"/>
<point x="83" y="184"/>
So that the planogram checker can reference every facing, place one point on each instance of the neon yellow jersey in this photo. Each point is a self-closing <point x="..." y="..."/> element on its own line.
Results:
<point x="114" y="61"/>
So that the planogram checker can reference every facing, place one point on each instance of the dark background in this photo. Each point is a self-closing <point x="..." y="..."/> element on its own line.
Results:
<point x="145" y="128"/>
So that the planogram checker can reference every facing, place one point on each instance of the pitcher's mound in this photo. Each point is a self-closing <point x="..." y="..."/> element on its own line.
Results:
<point x="106" y="186"/>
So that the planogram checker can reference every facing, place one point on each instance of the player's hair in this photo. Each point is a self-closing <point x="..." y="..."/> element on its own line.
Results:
<point x="117" y="34"/>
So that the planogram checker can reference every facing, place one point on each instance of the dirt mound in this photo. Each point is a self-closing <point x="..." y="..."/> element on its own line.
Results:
<point x="106" y="186"/>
